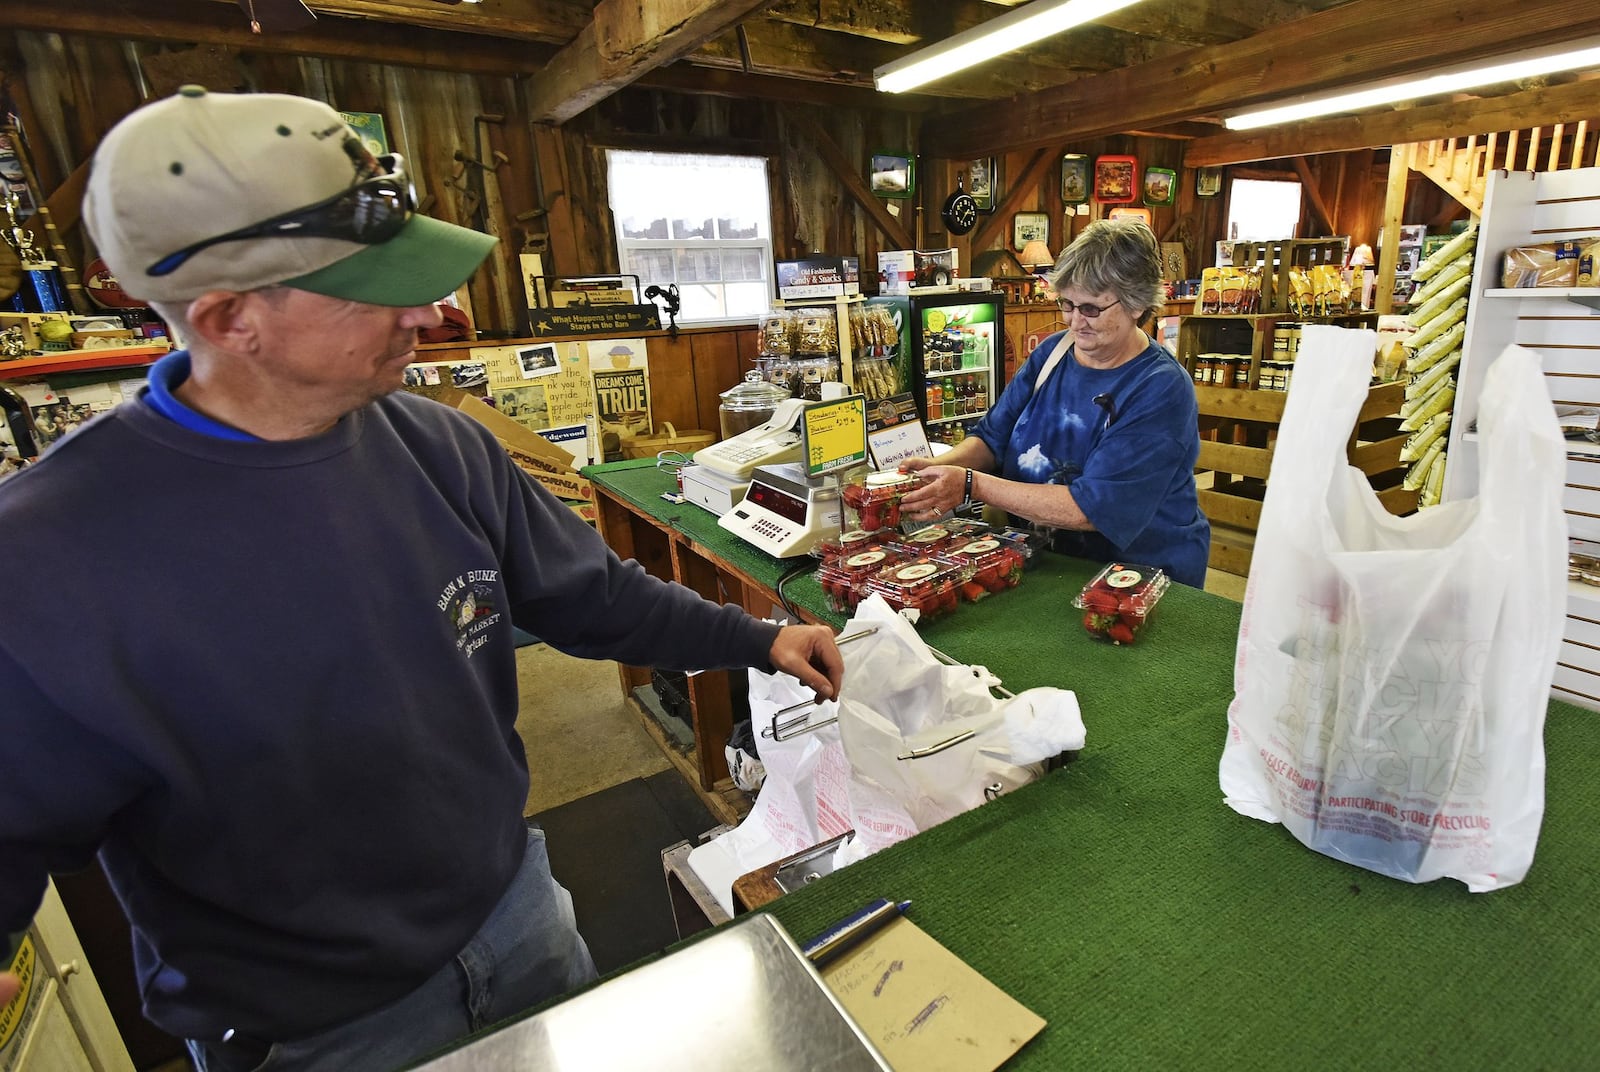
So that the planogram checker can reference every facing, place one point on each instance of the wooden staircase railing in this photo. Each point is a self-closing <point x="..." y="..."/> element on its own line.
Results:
<point x="1461" y="166"/>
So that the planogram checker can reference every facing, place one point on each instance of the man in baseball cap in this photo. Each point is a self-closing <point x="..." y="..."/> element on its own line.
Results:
<point x="291" y="738"/>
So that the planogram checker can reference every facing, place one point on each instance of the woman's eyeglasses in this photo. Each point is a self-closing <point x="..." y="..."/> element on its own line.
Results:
<point x="1090" y="312"/>
<point x="370" y="212"/>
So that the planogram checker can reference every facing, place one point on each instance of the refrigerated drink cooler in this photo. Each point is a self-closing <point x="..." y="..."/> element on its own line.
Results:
<point x="952" y="357"/>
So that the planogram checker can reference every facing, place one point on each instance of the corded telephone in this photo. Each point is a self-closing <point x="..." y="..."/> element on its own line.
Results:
<point x="778" y="440"/>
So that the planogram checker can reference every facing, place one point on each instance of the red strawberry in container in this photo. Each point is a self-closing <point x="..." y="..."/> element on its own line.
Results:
<point x="995" y="565"/>
<point x="1118" y="602"/>
<point x="928" y="584"/>
<point x="876" y="502"/>
<point x="844" y="580"/>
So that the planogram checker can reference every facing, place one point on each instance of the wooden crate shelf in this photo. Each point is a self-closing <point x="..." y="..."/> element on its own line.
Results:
<point x="1239" y="432"/>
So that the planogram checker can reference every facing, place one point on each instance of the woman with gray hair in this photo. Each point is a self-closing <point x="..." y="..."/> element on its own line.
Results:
<point x="1097" y="436"/>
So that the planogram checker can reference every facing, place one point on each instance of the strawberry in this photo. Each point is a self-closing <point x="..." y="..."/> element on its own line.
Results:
<point x="1120" y="632"/>
<point x="1094" y="624"/>
<point x="1100" y="600"/>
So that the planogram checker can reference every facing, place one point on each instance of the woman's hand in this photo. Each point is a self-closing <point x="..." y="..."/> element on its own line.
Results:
<point x="942" y="489"/>
<point x="9" y="985"/>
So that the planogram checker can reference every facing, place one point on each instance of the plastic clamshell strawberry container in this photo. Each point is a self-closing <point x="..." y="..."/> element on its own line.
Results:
<point x="1117" y="603"/>
<point x="1028" y="544"/>
<point x="875" y="503"/>
<point x="844" y="580"/>
<point x="853" y="542"/>
<point x="994" y="566"/>
<point x="929" y="539"/>
<point x="926" y="583"/>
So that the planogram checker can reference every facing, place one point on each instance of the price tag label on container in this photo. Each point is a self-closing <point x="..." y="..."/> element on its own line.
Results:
<point x="834" y="434"/>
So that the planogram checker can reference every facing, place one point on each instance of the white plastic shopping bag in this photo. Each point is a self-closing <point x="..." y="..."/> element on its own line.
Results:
<point x="1392" y="673"/>
<point x="929" y="740"/>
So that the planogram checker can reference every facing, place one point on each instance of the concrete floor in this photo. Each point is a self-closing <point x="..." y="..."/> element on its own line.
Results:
<point x="580" y="735"/>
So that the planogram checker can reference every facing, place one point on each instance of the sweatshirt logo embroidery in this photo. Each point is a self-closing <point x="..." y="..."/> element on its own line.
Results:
<point x="469" y="602"/>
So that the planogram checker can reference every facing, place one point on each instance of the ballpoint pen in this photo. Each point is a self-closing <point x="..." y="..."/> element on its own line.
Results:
<point x="852" y="930"/>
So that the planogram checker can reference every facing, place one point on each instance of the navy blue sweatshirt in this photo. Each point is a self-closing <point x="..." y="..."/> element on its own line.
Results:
<point x="273" y="685"/>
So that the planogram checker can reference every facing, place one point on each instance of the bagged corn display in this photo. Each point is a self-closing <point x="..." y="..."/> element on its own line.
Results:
<point x="1456" y="269"/>
<point x="1424" y="407"/>
<point x="1424" y="437"/>
<point x="1442" y="335"/>
<point x="1460" y="244"/>
<point x="1438" y="303"/>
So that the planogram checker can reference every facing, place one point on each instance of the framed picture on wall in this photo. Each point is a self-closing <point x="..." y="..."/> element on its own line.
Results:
<point x="1116" y="180"/>
<point x="892" y="175"/>
<point x="1075" y="179"/>
<point x="1160" y="186"/>
<point x="1142" y="214"/>
<point x="983" y="183"/>
<point x="1029" y="226"/>
<point x="1207" y="182"/>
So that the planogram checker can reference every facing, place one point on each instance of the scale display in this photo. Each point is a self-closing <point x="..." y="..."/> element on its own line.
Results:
<point x="785" y="513"/>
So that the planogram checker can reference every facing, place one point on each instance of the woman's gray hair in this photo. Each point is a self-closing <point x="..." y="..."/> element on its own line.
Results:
<point x="1118" y="257"/>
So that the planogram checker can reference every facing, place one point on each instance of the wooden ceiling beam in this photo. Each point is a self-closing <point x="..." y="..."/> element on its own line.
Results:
<point x="626" y="40"/>
<point x="1358" y="42"/>
<point x="730" y="81"/>
<point x="550" y="21"/>
<point x="1545" y="106"/>
<point x="201" y="22"/>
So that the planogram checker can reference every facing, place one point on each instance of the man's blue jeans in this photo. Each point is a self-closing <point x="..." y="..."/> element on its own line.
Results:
<point x="527" y="951"/>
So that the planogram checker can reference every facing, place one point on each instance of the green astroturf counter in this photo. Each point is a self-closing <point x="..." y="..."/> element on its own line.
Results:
<point x="1154" y="928"/>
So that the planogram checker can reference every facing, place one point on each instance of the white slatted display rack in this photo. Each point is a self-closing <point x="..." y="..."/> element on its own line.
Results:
<point x="1562" y="325"/>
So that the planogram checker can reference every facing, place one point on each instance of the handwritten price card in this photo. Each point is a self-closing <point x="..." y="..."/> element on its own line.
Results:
<point x="834" y="434"/>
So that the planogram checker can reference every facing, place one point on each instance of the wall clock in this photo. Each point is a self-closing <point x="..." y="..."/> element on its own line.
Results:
<point x="960" y="212"/>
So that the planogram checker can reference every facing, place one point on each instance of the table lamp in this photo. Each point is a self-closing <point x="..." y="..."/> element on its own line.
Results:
<point x="1036" y="255"/>
<point x="1037" y="258"/>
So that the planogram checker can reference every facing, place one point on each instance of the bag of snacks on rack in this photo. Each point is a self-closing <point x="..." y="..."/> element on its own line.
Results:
<point x="816" y="333"/>
<point x="1392" y="673"/>
<point x="777" y="333"/>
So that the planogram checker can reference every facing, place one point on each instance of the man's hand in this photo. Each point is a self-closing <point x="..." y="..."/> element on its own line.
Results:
<point x="9" y="985"/>
<point x="809" y="653"/>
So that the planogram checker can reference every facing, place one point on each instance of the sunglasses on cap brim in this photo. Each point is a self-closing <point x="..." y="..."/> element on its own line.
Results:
<point x="370" y="212"/>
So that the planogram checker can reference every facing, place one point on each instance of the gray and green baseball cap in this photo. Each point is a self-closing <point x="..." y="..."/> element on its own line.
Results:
<point x="197" y="165"/>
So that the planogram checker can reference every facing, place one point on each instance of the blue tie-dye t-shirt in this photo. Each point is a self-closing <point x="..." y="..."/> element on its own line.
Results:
<point x="1128" y="457"/>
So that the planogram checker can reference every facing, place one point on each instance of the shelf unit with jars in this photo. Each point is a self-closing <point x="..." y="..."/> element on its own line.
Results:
<point x="1240" y="417"/>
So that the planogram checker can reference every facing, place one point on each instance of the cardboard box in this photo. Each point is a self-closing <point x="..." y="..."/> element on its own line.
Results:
<point x="819" y="277"/>
<point x="533" y="453"/>
<point x="901" y="269"/>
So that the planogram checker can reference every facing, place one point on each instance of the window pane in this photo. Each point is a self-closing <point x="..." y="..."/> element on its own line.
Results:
<point x="1262" y="210"/>
<point x="702" y="302"/>
<point x="650" y="265"/>
<point x="743" y="264"/>
<point x="692" y="229"/>
<point x="699" y="265"/>
<point x="747" y="299"/>
<point x="738" y="227"/>
<point x="635" y="228"/>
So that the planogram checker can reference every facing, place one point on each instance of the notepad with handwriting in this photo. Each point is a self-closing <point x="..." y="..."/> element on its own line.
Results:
<point x="924" y="1007"/>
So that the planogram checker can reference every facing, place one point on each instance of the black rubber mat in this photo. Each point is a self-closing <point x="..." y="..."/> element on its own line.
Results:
<point x="606" y="849"/>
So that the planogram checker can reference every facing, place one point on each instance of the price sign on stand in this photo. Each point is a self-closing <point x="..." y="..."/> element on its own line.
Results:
<point x="833" y="434"/>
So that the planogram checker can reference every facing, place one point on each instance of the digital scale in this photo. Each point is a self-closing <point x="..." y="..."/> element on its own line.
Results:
<point x="784" y="512"/>
<point x="712" y="490"/>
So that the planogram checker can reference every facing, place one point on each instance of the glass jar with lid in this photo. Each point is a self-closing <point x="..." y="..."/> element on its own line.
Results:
<point x="748" y="404"/>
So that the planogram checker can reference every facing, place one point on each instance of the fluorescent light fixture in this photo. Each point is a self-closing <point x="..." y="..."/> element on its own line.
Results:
<point x="1017" y="28"/>
<point x="1508" y="69"/>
